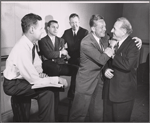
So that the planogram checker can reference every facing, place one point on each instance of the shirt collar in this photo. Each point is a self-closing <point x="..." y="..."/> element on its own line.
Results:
<point x="27" y="41"/>
<point x="51" y="37"/>
<point x="75" y="31"/>
<point x="121" y="41"/>
<point x="96" y="38"/>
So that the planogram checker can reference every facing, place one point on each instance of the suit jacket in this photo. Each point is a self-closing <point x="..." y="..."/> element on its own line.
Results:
<point x="74" y="44"/>
<point x="122" y="87"/>
<point x="92" y="59"/>
<point x="48" y="51"/>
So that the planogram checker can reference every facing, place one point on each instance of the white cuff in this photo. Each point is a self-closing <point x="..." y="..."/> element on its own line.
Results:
<point x="60" y="54"/>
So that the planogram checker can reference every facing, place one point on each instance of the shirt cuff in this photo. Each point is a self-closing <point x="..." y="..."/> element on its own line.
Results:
<point x="60" y="54"/>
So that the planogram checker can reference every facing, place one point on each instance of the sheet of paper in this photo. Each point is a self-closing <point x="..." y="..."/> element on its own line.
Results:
<point x="47" y="85"/>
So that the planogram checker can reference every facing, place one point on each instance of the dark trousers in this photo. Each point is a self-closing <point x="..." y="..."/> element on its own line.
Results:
<point x="116" y="111"/>
<point x="54" y="69"/>
<point x="21" y="93"/>
<point x="87" y="107"/>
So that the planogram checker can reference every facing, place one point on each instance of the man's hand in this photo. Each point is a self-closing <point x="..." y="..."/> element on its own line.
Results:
<point x="42" y="75"/>
<point x="112" y="43"/>
<point x="108" y="73"/>
<point x="138" y="42"/>
<point x="109" y="51"/>
<point x="63" y="81"/>
<point x="64" y="52"/>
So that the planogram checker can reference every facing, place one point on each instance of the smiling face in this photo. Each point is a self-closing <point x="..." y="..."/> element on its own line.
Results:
<point x="74" y="23"/>
<point x="99" y="28"/>
<point x="117" y="31"/>
<point x="53" y="29"/>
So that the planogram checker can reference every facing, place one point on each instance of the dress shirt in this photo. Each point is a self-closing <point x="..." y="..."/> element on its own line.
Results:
<point x="53" y="41"/>
<point x="19" y="64"/>
<point x="97" y="39"/>
<point x="75" y="31"/>
<point x="121" y="41"/>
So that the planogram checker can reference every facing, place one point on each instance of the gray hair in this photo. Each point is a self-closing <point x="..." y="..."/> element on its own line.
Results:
<point x="126" y="25"/>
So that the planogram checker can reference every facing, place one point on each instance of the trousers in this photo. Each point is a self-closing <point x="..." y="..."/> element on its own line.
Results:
<point x="21" y="93"/>
<point x="88" y="108"/>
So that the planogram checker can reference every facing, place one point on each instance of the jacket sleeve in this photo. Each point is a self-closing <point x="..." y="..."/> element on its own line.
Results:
<point x="64" y="37"/>
<point x="92" y="53"/>
<point x="47" y="52"/>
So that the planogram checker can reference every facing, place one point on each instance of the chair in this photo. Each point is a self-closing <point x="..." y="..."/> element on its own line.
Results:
<point x="56" y="94"/>
<point x="21" y="106"/>
<point x="70" y="94"/>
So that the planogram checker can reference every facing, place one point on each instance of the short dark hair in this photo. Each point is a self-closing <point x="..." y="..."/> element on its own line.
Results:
<point x="51" y="21"/>
<point x="95" y="18"/>
<point x="28" y="20"/>
<point x="73" y="15"/>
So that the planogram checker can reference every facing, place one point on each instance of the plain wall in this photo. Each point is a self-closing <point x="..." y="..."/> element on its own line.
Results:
<point x="138" y="15"/>
<point x="11" y="14"/>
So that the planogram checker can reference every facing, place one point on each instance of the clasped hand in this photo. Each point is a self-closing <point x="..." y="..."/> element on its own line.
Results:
<point x="109" y="73"/>
<point x="65" y="53"/>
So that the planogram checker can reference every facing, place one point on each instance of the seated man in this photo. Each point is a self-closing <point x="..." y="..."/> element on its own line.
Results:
<point x="54" y="54"/>
<point x="24" y="69"/>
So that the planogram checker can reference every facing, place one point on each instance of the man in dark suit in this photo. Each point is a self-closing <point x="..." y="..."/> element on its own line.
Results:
<point x="89" y="83"/>
<point x="73" y="37"/>
<point x="93" y="55"/>
<point x="120" y="85"/>
<point x="53" y="52"/>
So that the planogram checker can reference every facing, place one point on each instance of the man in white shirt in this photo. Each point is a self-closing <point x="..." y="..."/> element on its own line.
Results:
<point x="22" y="71"/>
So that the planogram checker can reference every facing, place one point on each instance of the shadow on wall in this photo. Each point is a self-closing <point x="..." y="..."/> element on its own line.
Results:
<point x="47" y="19"/>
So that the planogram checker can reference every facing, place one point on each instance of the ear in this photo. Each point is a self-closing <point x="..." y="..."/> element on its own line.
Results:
<point x="47" y="27"/>
<point x="31" y="30"/>
<point x="93" y="29"/>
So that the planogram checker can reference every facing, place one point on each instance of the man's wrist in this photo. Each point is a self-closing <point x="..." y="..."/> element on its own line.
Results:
<point x="60" y="54"/>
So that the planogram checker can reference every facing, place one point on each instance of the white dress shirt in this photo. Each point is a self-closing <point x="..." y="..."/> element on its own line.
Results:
<point x="52" y="39"/>
<point x="19" y="64"/>
<point x="121" y="41"/>
<point x="97" y="39"/>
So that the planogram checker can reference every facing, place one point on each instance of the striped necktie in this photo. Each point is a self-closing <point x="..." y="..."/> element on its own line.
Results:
<point x="33" y="52"/>
<point x="116" y="47"/>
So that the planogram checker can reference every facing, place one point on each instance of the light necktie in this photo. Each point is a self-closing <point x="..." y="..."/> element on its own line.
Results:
<point x="116" y="47"/>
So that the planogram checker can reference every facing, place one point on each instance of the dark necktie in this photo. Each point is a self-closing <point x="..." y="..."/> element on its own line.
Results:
<point x="33" y="52"/>
<point x="101" y="45"/>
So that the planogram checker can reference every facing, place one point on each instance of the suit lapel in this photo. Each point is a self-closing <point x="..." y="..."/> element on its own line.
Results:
<point x="123" y="45"/>
<point x="105" y="41"/>
<point x="95" y="42"/>
<point x="50" y="42"/>
<point x="56" y="44"/>
<point x="71" y="33"/>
